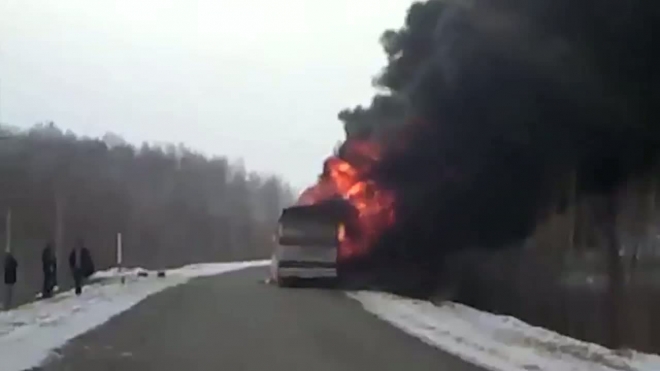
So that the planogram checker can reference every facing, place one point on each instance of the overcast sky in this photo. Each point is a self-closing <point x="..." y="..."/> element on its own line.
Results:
<point x="261" y="79"/>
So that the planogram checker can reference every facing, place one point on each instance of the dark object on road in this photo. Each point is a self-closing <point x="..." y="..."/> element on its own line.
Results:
<point x="143" y="274"/>
<point x="49" y="270"/>
<point x="10" y="270"/>
<point x="161" y="274"/>
<point x="81" y="264"/>
<point x="307" y="242"/>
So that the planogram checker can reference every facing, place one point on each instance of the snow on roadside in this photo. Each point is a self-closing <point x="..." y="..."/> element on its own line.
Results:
<point x="116" y="272"/>
<point x="30" y="333"/>
<point x="188" y="271"/>
<point x="498" y="343"/>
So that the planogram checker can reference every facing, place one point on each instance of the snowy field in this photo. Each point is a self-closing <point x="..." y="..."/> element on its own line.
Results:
<point x="498" y="343"/>
<point x="30" y="333"/>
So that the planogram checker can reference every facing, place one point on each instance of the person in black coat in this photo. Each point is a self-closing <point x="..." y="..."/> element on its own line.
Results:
<point x="49" y="269"/>
<point x="81" y="264"/>
<point x="10" y="270"/>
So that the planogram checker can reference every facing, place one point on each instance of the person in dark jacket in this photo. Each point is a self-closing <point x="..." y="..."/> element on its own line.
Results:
<point x="81" y="264"/>
<point x="49" y="269"/>
<point x="10" y="270"/>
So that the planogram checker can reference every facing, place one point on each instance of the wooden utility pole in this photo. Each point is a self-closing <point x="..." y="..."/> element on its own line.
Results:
<point x="59" y="223"/>
<point x="652" y="210"/>
<point x="8" y="231"/>
<point x="615" y="272"/>
<point x="571" y="220"/>
<point x="572" y="211"/>
<point x="9" y="286"/>
<point x="120" y="258"/>
<point x="60" y="253"/>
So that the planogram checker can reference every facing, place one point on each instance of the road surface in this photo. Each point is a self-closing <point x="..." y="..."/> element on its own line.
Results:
<point x="235" y="322"/>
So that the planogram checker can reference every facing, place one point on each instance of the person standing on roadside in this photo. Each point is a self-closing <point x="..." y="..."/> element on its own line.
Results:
<point x="77" y="264"/>
<point x="49" y="269"/>
<point x="10" y="270"/>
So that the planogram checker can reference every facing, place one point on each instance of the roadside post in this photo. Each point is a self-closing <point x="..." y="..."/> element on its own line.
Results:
<point x="119" y="258"/>
<point x="8" y="232"/>
<point x="10" y="266"/>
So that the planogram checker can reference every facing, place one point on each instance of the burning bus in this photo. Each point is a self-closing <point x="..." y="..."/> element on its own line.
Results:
<point x="335" y="221"/>
<point x="307" y="242"/>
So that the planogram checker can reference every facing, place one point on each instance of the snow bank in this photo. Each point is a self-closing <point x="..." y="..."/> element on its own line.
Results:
<point x="30" y="333"/>
<point x="115" y="272"/>
<point x="188" y="271"/>
<point x="498" y="343"/>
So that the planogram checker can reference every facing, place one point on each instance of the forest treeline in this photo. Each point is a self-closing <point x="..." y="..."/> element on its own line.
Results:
<point x="173" y="206"/>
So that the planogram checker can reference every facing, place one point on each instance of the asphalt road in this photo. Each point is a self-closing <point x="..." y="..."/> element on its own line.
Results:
<point x="235" y="322"/>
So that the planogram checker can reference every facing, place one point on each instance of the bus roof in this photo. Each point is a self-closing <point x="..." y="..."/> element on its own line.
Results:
<point x="331" y="211"/>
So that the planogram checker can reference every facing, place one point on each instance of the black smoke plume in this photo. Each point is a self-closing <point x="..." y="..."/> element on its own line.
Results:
<point x="508" y="100"/>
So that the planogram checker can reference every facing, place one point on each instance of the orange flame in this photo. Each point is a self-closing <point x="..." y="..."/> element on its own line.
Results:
<point x="347" y="179"/>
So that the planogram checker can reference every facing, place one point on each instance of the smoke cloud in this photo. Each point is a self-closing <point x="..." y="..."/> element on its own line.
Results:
<point x="505" y="100"/>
